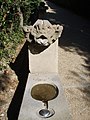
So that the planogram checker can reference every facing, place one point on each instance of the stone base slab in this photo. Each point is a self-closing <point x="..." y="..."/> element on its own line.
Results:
<point x="30" y="107"/>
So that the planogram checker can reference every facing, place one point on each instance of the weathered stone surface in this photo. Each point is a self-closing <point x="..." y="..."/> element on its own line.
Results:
<point x="43" y="32"/>
<point x="27" y="30"/>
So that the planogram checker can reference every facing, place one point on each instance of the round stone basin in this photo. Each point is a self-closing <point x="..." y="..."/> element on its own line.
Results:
<point x="44" y="92"/>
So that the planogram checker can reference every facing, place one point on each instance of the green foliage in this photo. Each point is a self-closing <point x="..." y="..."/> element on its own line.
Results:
<point x="27" y="6"/>
<point x="8" y="44"/>
<point x="11" y="34"/>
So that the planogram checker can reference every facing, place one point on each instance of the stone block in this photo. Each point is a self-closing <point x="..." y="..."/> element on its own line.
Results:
<point x="30" y="107"/>
<point x="46" y="61"/>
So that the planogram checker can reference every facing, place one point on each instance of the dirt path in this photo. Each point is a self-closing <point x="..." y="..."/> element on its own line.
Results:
<point x="74" y="59"/>
<point x="74" y="64"/>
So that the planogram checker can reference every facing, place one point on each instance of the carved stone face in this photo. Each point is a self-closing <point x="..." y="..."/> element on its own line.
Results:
<point x="45" y="33"/>
<point x="41" y="35"/>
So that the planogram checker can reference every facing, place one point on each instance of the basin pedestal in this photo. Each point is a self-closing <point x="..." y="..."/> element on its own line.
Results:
<point x="44" y="97"/>
<point x="30" y="108"/>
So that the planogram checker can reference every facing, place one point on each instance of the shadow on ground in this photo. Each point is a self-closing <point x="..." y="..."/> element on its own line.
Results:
<point x="75" y="38"/>
<point x="21" y="68"/>
<point x="76" y="33"/>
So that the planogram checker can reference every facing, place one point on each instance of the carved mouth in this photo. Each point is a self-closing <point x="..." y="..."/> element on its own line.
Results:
<point x="42" y="37"/>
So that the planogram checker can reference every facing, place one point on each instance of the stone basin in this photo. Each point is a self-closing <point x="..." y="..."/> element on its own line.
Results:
<point x="44" y="92"/>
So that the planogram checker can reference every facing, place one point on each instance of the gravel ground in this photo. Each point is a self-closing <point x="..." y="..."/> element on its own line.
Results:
<point x="74" y="65"/>
<point x="74" y="59"/>
<point x="76" y="82"/>
<point x="8" y="85"/>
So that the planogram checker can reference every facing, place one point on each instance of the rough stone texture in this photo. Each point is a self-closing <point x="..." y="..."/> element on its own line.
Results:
<point x="43" y="32"/>
<point x="27" y="30"/>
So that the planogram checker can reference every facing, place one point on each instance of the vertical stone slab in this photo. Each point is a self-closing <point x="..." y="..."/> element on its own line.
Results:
<point x="46" y="61"/>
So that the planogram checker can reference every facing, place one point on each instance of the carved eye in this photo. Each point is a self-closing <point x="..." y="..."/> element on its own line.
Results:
<point x="27" y="29"/>
<point x="53" y="40"/>
<point x="49" y="27"/>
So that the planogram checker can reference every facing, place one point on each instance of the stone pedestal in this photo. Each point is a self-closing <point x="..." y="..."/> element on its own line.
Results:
<point x="43" y="68"/>
<point x="46" y="61"/>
